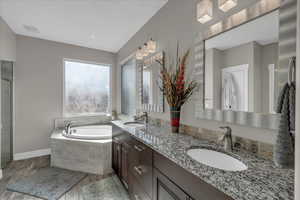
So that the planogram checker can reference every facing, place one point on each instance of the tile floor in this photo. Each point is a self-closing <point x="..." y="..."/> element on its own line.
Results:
<point x="19" y="169"/>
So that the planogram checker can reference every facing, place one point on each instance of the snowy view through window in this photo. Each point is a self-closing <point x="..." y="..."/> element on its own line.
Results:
<point x="87" y="88"/>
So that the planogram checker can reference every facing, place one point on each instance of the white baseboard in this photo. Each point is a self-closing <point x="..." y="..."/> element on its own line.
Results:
<point x="32" y="154"/>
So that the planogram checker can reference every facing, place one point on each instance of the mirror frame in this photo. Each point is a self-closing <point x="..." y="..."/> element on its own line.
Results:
<point x="160" y="107"/>
<point x="257" y="120"/>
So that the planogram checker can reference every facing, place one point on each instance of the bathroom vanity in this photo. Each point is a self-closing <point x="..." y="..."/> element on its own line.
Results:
<point x="153" y="164"/>
<point x="148" y="174"/>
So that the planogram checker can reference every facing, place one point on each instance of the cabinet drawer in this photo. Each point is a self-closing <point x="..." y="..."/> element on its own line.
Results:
<point x="136" y="192"/>
<point x="140" y="165"/>
<point x="164" y="189"/>
<point x="192" y="185"/>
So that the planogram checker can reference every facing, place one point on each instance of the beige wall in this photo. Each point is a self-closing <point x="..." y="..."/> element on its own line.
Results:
<point x="7" y="42"/>
<point x="176" y="21"/>
<point x="297" y="156"/>
<point x="38" y="87"/>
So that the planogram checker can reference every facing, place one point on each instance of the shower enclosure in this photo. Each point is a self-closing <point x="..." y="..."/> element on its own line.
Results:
<point x="6" y="112"/>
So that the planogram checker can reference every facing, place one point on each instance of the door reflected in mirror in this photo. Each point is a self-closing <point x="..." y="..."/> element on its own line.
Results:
<point x="241" y="67"/>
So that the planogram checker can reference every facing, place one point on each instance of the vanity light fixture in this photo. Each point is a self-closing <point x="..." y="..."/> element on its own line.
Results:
<point x="148" y="48"/>
<point x="139" y="54"/>
<point x="145" y="50"/>
<point x="151" y="46"/>
<point x="204" y="11"/>
<point x="226" y="5"/>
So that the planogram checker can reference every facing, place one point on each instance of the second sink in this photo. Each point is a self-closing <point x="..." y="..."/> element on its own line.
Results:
<point x="135" y="124"/>
<point x="216" y="159"/>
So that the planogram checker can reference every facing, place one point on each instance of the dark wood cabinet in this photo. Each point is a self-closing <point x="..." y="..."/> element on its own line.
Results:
<point x="140" y="159"/>
<point x="164" y="189"/>
<point x="189" y="183"/>
<point x="149" y="175"/>
<point x="116" y="158"/>
<point x="124" y="164"/>
<point x="136" y="191"/>
<point x="120" y="151"/>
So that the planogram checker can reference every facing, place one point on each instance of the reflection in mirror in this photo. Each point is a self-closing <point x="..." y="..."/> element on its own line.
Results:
<point x="152" y="97"/>
<point x="240" y="67"/>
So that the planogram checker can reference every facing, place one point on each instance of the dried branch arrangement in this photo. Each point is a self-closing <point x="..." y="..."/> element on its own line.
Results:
<point x="174" y="85"/>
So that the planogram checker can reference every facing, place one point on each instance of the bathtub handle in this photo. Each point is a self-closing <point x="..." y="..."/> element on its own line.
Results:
<point x="138" y="170"/>
<point x="140" y="149"/>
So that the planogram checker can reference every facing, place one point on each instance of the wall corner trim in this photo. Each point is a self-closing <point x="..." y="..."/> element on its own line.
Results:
<point x="32" y="154"/>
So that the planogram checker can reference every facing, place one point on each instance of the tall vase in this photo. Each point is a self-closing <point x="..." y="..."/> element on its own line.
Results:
<point x="175" y="119"/>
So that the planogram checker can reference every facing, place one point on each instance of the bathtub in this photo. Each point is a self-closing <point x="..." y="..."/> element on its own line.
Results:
<point x="90" y="132"/>
<point x="85" y="148"/>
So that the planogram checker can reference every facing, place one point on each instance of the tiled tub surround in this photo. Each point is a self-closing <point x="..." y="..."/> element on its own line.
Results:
<point x="262" y="180"/>
<point x="90" y="156"/>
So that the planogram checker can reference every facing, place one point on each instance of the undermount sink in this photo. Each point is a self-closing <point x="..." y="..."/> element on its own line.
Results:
<point x="216" y="159"/>
<point x="135" y="124"/>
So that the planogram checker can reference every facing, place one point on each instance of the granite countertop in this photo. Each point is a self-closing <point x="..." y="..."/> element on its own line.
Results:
<point x="261" y="181"/>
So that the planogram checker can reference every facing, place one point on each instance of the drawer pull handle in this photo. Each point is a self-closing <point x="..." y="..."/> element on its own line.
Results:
<point x="136" y="197"/>
<point x="138" y="148"/>
<point x="138" y="170"/>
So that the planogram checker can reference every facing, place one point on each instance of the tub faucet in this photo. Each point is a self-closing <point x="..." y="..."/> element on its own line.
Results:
<point x="227" y="138"/>
<point x="68" y="127"/>
<point x="144" y="116"/>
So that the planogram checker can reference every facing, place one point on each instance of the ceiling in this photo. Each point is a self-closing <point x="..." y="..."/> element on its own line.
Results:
<point x="264" y="30"/>
<point x="100" y="24"/>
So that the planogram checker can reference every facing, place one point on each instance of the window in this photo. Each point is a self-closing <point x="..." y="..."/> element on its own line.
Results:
<point x="128" y="88"/>
<point x="86" y="88"/>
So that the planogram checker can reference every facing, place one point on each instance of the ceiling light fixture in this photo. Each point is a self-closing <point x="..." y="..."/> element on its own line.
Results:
<point x="204" y="11"/>
<point x="226" y="5"/>
<point x="151" y="46"/>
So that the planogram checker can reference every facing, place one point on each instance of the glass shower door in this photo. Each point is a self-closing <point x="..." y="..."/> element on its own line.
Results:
<point x="6" y="112"/>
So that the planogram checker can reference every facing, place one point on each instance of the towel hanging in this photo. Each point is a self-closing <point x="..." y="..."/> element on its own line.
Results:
<point x="292" y="70"/>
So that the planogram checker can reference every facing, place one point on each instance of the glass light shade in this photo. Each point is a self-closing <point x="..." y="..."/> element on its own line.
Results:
<point x="145" y="50"/>
<point x="151" y="46"/>
<point x="226" y="5"/>
<point x="204" y="11"/>
<point x="139" y="54"/>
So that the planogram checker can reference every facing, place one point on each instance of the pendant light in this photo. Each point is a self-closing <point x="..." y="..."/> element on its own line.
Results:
<point x="145" y="50"/>
<point x="151" y="46"/>
<point x="204" y="11"/>
<point x="226" y="5"/>
<point x="139" y="54"/>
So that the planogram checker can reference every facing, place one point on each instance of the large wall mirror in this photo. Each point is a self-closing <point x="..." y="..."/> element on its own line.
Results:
<point x="244" y="71"/>
<point x="240" y="67"/>
<point x="151" y="95"/>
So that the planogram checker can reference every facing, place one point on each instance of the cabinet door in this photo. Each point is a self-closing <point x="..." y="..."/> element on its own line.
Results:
<point x="124" y="164"/>
<point x="164" y="189"/>
<point x="136" y="192"/>
<point x="116" y="160"/>
<point x="140" y="166"/>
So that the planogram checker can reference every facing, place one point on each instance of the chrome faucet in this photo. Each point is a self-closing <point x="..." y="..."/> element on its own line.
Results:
<point x="144" y="116"/>
<point x="227" y="138"/>
<point x="68" y="125"/>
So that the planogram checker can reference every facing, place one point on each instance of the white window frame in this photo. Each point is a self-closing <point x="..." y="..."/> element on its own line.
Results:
<point x="64" y="113"/>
